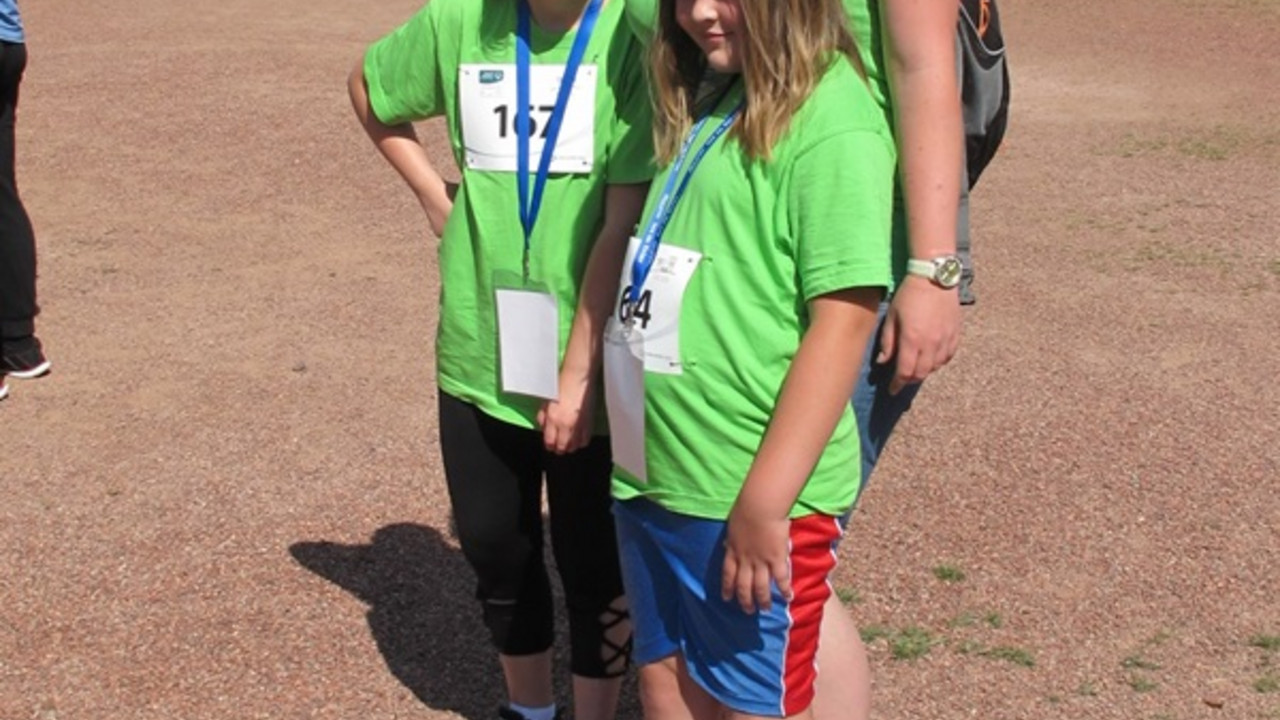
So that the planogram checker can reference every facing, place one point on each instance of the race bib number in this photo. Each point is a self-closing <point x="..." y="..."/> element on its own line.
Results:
<point x="655" y="314"/>
<point x="488" y="97"/>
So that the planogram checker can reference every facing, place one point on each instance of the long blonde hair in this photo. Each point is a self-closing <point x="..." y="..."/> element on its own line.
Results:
<point x="788" y="46"/>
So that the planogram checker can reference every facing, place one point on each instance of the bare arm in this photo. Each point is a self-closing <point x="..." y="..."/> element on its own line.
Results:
<point x="814" y="395"/>
<point x="400" y="146"/>
<point x="567" y="422"/>
<point x="923" y="329"/>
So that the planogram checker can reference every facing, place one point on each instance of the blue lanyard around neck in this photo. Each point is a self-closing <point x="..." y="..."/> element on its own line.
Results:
<point x="672" y="191"/>
<point x="529" y="207"/>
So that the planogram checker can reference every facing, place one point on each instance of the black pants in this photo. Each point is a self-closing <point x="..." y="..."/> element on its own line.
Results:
<point x="17" y="240"/>
<point x="495" y="475"/>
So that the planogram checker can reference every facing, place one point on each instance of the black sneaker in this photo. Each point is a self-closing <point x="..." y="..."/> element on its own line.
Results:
<point x="23" y="358"/>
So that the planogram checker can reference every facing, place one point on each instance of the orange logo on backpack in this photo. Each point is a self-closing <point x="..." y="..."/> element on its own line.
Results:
<point x="984" y="17"/>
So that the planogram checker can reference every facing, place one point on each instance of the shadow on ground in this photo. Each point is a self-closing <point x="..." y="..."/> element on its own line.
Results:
<point x="421" y="613"/>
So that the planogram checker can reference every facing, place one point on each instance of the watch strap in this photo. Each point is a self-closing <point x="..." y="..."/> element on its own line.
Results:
<point x="943" y="271"/>
<point x="922" y="268"/>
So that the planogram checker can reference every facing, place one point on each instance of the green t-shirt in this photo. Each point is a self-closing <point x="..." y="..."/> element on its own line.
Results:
<point x="773" y="235"/>
<point x="864" y="23"/>
<point x="413" y="74"/>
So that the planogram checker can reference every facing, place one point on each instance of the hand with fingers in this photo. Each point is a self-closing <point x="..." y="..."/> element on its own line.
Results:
<point x="567" y="421"/>
<point x="756" y="556"/>
<point x="921" y="331"/>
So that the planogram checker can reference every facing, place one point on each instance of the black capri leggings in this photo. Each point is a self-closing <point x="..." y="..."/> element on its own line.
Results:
<point x="494" y="471"/>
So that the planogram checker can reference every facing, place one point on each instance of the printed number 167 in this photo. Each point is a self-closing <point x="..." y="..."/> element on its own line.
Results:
<point x="507" y="120"/>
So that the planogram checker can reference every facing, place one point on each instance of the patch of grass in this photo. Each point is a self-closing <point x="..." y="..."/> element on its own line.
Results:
<point x="1142" y="683"/>
<point x="911" y="643"/>
<point x="1054" y="699"/>
<point x="1267" y="684"/>
<point x="1133" y="145"/>
<point x="1015" y="655"/>
<point x="1213" y="144"/>
<point x="1077" y="221"/>
<point x="1179" y="255"/>
<point x="1008" y="653"/>
<point x="1217" y="143"/>
<point x="1087" y="689"/>
<point x="1138" y="665"/>
<point x="1204" y="149"/>
<point x="948" y="573"/>
<point x="1137" y="662"/>
<point x="969" y="619"/>
<point x="848" y="596"/>
<point x="1275" y="270"/>
<point x="872" y="633"/>
<point x="1270" y="643"/>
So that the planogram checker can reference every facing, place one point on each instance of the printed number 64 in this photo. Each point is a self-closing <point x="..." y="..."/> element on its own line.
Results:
<point x="638" y="310"/>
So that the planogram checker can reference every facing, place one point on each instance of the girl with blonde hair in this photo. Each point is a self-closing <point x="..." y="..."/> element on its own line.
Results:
<point x="908" y="48"/>
<point x="762" y="254"/>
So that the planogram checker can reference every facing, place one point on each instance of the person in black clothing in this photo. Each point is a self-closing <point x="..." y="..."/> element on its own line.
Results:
<point x="21" y="355"/>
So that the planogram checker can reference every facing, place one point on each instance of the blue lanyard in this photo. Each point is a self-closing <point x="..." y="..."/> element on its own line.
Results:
<point x="647" y="250"/>
<point x="529" y="208"/>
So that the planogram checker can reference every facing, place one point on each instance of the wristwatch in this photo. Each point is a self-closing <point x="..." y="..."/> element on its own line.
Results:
<point x="943" y="271"/>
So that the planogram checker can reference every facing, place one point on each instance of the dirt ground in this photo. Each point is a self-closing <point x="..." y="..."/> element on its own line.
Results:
<point x="226" y="501"/>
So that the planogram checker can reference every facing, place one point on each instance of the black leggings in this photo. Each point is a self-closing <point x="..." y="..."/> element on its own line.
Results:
<point x="17" y="241"/>
<point x="494" y="471"/>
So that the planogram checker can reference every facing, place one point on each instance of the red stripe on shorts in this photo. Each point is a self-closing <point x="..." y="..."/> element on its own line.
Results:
<point x="812" y="560"/>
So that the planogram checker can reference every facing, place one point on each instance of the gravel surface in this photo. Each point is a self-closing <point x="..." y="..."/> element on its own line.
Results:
<point x="226" y="501"/>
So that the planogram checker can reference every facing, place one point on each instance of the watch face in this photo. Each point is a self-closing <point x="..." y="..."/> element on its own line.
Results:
<point x="947" y="272"/>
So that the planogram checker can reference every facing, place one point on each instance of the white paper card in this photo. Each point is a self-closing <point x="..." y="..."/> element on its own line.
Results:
<point x="624" y="398"/>
<point x="529" y="342"/>
<point x="656" y="314"/>
<point x="487" y="94"/>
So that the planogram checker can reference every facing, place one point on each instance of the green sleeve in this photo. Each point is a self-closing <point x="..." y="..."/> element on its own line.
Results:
<point x="642" y="16"/>
<point x="631" y="137"/>
<point x="841" y="202"/>
<point x="404" y="70"/>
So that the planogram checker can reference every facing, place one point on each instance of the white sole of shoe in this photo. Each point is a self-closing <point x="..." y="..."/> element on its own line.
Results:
<point x="35" y="372"/>
<point x="4" y="390"/>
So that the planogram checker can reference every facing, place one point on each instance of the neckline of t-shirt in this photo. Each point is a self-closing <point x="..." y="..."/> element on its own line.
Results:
<point x="543" y="41"/>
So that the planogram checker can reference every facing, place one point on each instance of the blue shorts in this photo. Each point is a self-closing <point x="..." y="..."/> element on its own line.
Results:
<point x="762" y="664"/>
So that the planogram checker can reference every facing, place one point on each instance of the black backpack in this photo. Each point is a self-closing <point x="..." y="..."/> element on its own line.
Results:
<point x="984" y="82"/>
